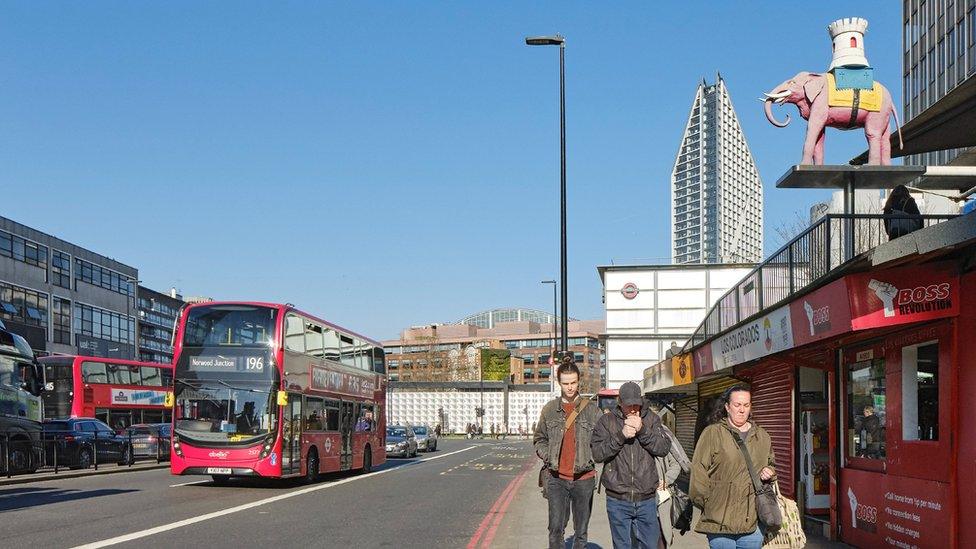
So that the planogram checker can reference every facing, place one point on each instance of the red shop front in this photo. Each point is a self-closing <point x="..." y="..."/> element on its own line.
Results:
<point x="864" y="403"/>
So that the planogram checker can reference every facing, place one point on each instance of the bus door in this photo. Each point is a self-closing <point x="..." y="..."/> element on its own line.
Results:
<point x="291" y="436"/>
<point x="346" y="421"/>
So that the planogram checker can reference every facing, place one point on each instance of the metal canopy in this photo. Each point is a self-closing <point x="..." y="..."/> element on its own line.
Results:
<point x="839" y="177"/>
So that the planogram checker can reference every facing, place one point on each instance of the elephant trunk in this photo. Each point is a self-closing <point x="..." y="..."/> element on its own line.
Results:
<point x="768" y="108"/>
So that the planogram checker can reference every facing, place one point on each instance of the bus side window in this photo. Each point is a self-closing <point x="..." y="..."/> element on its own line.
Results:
<point x="348" y="351"/>
<point x="379" y="360"/>
<point x="331" y="350"/>
<point x="94" y="372"/>
<point x="313" y="339"/>
<point x="331" y="415"/>
<point x="313" y="414"/>
<point x="294" y="334"/>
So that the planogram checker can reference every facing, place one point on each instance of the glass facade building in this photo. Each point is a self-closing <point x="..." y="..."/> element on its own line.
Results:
<point x="716" y="192"/>
<point x="939" y="53"/>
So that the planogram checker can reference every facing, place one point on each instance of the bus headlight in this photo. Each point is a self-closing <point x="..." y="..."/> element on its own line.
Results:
<point x="176" y="446"/>
<point x="266" y="448"/>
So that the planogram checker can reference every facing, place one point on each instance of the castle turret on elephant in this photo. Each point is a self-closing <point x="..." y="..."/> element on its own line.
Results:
<point x="808" y="91"/>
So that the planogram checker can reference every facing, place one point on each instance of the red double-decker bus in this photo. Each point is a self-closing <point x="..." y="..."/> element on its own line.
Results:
<point x="118" y="392"/>
<point x="266" y="390"/>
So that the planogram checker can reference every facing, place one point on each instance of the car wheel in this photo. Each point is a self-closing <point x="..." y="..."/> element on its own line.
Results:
<point x="220" y="480"/>
<point x="312" y="467"/>
<point x="84" y="459"/>
<point x="368" y="460"/>
<point x="127" y="458"/>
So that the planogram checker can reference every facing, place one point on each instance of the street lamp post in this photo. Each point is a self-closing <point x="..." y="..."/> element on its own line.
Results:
<point x="558" y="40"/>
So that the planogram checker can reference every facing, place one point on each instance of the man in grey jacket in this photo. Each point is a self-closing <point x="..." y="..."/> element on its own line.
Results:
<point x="569" y="475"/>
<point x="626" y="440"/>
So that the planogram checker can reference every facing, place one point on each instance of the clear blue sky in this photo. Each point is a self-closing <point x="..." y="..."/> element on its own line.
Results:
<point x="387" y="164"/>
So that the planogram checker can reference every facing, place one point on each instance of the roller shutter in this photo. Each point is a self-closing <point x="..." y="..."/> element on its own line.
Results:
<point x="772" y="408"/>
<point x="685" y="414"/>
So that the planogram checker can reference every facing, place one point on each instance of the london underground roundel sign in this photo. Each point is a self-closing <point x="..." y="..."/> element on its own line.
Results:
<point x="629" y="290"/>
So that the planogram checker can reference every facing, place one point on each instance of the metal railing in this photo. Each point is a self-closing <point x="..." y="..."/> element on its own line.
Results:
<point x="822" y="247"/>
<point x="22" y="454"/>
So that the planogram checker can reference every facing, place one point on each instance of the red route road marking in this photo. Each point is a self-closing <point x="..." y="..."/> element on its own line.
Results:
<point x="497" y="511"/>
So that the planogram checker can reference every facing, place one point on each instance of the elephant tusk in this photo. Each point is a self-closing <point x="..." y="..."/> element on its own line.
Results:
<point x="777" y="95"/>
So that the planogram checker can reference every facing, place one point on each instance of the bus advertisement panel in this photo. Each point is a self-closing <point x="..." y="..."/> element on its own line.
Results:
<point x="266" y="390"/>
<point x="118" y="392"/>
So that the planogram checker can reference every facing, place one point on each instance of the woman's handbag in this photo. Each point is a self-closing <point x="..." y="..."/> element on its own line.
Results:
<point x="681" y="509"/>
<point x="790" y="535"/>
<point x="767" y="501"/>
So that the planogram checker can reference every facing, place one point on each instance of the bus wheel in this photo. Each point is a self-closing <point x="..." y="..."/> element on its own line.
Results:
<point x="220" y="480"/>
<point x="312" y="466"/>
<point x="367" y="460"/>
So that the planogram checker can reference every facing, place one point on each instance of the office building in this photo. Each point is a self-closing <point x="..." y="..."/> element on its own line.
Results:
<point x="452" y="352"/>
<point x="64" y="298"/>
<point x="651" y="308"/>
<point x="157" y="321"/>
<point x="939" y="45"/>
<point x="716" y="193"/>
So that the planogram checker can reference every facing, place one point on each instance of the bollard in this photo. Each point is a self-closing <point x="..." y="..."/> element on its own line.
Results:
<point x="6" y="453"/>
<point x="132" y="456"/>
<point x="95" y="450"/>
<point x="55" y="442"/>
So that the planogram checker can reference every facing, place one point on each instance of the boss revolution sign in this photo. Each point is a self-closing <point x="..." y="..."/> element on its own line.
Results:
<point x="903" y="295"/>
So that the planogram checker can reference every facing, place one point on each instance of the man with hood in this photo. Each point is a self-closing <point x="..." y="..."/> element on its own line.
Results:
<point x="626" y="441"/>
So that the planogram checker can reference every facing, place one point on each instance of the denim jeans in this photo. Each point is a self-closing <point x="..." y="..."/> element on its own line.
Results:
<point x="563" y="496"/>
<point x="736" y="541"/>
<point x="633" y="524"/>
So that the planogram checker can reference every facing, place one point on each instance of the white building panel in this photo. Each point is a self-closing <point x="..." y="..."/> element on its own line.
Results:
<point x="680" y="279"/>
<point x="726" y="278"/>
<point x="643" y="300"/>
<point x="633" y="349"/>
<point x="624" y="371"/>
<point x="682" y="299"/>
<point x="630" y="320"/>
<point x="680" y="318"/>
<point x="616" y="280"/>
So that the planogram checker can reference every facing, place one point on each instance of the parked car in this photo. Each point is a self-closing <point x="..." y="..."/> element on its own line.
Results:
<point x="400" y="441"/>
<point x="426" y="439"/>
<point x="80" y="441"/>
<point x="150" y="440"/>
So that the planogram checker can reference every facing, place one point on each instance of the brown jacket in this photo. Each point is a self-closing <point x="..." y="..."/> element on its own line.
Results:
<point x="720" y="481"/>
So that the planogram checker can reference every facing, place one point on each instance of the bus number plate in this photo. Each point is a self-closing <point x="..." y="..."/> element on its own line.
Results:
<point x="219" y="470"/>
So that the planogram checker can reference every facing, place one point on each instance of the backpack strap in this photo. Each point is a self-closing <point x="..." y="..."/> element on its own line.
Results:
<point x="576" y="412"/>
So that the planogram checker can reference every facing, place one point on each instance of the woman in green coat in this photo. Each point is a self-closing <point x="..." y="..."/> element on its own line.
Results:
<point x="720" y="481"/>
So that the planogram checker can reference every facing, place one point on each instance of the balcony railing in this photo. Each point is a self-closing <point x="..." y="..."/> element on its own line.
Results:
<point x="827" y="244"/>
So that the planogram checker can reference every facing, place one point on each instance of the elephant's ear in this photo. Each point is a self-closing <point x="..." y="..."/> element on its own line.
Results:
<point x="814" y="86"/>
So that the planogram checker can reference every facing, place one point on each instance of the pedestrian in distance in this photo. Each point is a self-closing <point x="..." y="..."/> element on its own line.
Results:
<point x="721" y="483"/>
<point x="626" y="441"/>
<point x="562" y="440"/>
<point x="494" y="430"/>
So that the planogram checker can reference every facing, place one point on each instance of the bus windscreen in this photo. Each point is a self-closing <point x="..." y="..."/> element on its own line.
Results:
<point x="229" y="326"/>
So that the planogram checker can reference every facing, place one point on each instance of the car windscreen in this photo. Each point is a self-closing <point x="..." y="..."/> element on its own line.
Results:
<point x="420" y="430"/>
<point x="396" y="432"/>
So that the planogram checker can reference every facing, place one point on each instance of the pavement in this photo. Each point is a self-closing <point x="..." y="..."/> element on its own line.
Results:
<point x="66" y="473"/>
<point x="525" y="524"/>
<point x="468" y="494"/>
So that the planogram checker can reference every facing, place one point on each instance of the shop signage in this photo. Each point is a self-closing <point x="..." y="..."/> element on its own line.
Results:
<point x="342" y="382"/>
<point x="138" y="397"/>
<point x="702" y="360"/>
<point x="629" y="290"/>
<point x="682" y="369"/>
<point x="658" y="376"/>
<point x="903" y="295"/>
<point x="766" y="335"/>
<point x="821" y="314"/>
<point x="891" y="511"/>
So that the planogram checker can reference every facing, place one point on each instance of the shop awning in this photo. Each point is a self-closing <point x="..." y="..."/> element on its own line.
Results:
<point x="948" y="124"/>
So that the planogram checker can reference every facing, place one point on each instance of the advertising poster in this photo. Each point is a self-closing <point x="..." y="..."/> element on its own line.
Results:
<point x="138" y="397"/>
<point x="342" y="382"/>
<point x="702" y="360"/>
<point x="903" y="295"/>
<point x="821" y="314"/>
<point x="766" y="335"/>
<point x="879" y="510"/>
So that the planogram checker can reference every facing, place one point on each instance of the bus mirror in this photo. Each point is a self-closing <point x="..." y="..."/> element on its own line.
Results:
<point x="282" y="398"/>
<point x="168" y="401"/>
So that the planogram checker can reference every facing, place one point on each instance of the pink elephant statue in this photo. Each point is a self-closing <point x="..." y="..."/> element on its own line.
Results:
<point x="807" y="91"/>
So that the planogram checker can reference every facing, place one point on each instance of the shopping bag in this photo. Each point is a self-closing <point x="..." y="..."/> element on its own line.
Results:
<point x="790" y="535"/>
